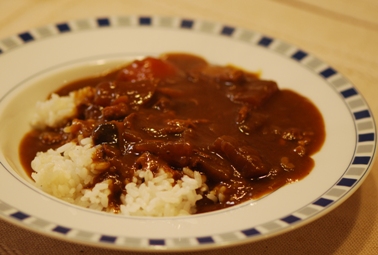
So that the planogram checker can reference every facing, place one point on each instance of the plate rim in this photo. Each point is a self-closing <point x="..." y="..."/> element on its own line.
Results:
<point x="336" y="80"/>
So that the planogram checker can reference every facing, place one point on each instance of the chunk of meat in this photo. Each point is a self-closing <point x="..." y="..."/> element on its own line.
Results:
<point x="223" y="74"/>
<point x="139" y="92"/>
<point x="248" y="120"/>
<point x="131" y="93"/>
<point x="105" y="92"/>
<point x="175" y="153"/>
<point x="105" y="133"/>
<point x="254" y="93"/>
<point x="114" y="112"/>
<point x="243" y="157"/>
<point x="212" y="166"/>
<point x="186" y="62"/>
<point x="147" y="69"/>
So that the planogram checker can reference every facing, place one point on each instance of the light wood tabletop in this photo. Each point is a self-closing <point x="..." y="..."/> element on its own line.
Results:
<point x="342" y="33"/>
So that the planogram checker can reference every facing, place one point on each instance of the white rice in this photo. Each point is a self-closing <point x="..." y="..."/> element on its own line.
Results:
<point x="160" y="196"/>
<point x="53" y="112"/>
<point x="58" y="109"/>
<point x="67" y="171"/>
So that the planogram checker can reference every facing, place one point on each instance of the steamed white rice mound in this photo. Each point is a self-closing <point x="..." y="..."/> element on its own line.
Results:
<point x="53" y="112"/>
<point x="160" y="196"/>
<point x="66" y="171"/>
<point x="58" y="109"/>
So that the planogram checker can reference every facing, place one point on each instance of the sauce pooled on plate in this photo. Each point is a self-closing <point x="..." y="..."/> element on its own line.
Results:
<point x="244" y="135"/>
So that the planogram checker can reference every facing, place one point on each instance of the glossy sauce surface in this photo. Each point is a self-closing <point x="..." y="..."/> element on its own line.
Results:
<point x="244" y="134"/>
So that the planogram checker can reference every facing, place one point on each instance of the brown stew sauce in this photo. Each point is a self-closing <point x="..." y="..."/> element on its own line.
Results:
<point x="177" y="111"/>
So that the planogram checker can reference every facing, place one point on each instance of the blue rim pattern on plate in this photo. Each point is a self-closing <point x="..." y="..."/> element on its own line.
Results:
<point x="352" y="177"/>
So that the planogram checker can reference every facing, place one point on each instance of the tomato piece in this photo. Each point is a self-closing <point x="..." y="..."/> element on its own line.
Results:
<point x="147" y="69"/>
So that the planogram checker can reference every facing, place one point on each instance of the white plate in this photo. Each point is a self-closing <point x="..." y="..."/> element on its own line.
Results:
<point x="35" y="62"/>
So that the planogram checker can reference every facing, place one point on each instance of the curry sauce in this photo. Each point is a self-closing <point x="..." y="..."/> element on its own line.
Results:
<point x="246" y="136"/>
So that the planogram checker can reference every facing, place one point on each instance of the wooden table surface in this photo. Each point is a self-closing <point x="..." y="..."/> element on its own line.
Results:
<point x="343" y="33"/>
